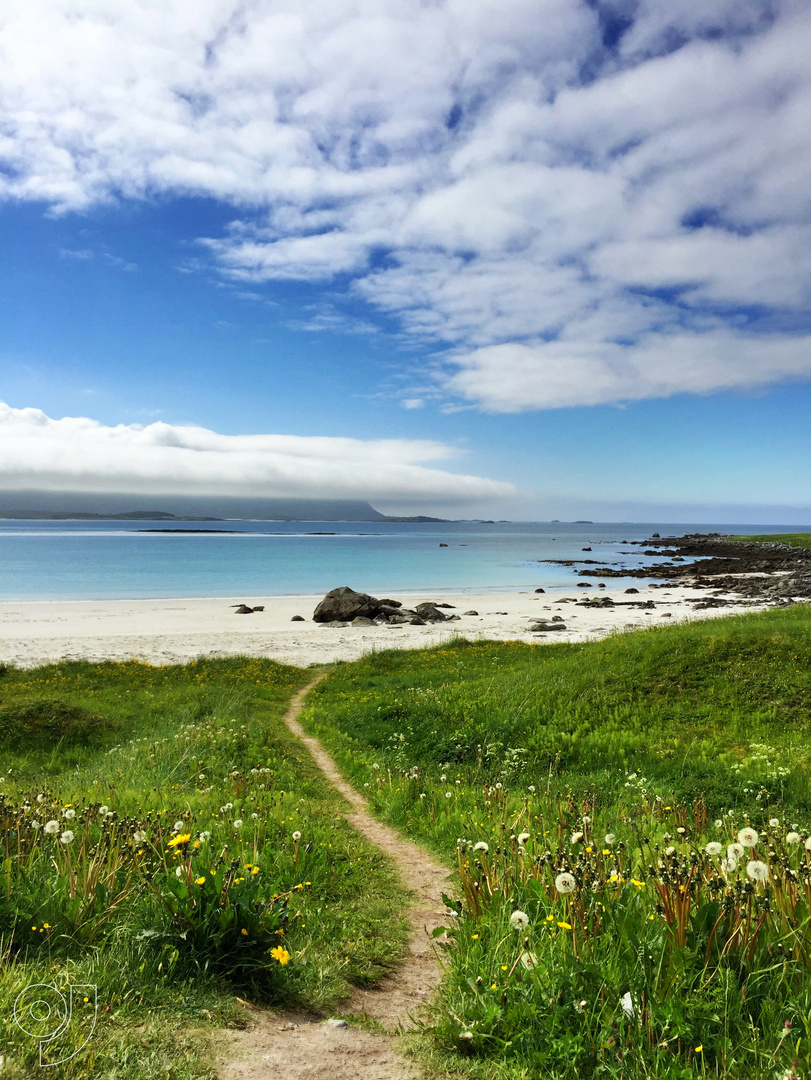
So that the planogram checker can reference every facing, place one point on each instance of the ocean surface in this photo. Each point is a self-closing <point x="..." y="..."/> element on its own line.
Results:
<point x="116" y="560"/>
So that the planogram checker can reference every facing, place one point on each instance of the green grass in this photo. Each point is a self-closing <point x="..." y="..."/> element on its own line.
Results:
<point x="800" y="540"/>
<point x="208" y="860"/>
<point x="516" y="763"/>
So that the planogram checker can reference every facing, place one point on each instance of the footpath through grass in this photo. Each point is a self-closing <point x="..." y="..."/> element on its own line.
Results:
<point x="800" y="540"/>
<point x="629" y="820"/>
<point x="167" y="845"/>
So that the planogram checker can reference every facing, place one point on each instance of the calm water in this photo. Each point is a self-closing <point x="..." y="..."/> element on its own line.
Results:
<point x="71" y="560"/>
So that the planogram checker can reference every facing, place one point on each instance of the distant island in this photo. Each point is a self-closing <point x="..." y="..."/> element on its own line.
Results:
<point x="76" y="506"/>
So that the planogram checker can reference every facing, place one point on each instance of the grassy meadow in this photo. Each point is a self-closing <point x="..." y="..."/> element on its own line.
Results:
<point x="800" y="540"/>
<point x="168" y="847"/>
<point x="629" y="820"/>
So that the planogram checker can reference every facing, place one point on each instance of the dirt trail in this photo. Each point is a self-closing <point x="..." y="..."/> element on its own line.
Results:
<point x="302" y="1048"/>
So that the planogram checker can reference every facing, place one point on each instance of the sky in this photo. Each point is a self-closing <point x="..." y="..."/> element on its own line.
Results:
<point x="474" y="258"/>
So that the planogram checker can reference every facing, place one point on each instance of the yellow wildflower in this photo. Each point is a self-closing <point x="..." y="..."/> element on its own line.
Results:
<point x="564" y="926"/>
<point x="181" y="838"/>
<point x="280" y="954"/>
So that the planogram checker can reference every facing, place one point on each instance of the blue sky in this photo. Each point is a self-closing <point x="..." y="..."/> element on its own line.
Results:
<point x="528" y="259"/>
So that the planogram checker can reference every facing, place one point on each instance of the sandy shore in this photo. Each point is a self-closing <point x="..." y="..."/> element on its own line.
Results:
<point x="175" y="631"/>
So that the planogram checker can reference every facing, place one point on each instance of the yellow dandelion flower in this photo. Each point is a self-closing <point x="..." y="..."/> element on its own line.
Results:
<point x="699" y="1048"/>
<point x="244" y="932"/>
<point x="255" y="871"/>
<point x="280" y="954"/>
<point x="200" y="881"/>
<point x="564" y="926"/>
<point x="181" y="838"/>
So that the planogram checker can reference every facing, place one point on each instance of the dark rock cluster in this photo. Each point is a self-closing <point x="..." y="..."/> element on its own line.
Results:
<point x="345" y="607"/>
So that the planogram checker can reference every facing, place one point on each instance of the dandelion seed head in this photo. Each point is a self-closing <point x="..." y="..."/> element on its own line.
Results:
<point x="713" y="848"/>
<point x="610" y="838"/>
<point x="296" y="836"/>
<point x="774" y="822"/>
<point x="735" y="851"/>
<point x="481" y="846"/>
<point x="748" y="837"/>
<point x="519" y="920"/>
<point x="757" y="870"/>
<point x="565" y="883"/>
<point x="238" y="823"/>
<point x="52" y="827"/>
<point x="522" y="838"/>
<point x="576" y="837"/>
<point x="792" y="838"/>
<point x="728" y="865"/>
<point x="66" y="837"/>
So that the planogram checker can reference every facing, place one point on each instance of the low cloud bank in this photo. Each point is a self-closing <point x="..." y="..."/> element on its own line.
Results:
<point x="79" y="454"/>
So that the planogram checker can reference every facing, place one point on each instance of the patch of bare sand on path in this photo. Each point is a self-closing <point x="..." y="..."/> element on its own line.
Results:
<point x="298" y="1046"/>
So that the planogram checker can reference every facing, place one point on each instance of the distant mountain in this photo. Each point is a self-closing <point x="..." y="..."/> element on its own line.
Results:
<point x="65" y="506"/>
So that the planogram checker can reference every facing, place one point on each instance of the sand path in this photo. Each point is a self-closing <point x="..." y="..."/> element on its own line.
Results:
<point x="302" y="1048"/>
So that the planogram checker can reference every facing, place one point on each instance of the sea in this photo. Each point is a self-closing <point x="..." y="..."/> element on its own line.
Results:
<point x="117" y="560"/>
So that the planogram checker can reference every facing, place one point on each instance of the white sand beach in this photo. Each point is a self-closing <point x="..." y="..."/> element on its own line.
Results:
<point x="176" y="631"/>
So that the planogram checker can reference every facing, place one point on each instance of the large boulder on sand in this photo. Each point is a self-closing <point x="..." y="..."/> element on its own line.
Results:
<point x="344" y="605"/>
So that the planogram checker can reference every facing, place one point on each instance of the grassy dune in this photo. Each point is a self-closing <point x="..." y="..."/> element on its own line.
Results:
<point x="616" y="918"/>
<point x="168" y="843"/>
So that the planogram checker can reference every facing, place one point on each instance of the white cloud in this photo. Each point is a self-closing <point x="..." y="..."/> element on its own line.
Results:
<point x="487" y="171"/>
<point x="79" y="454"/>
<point x="515" y="377"/>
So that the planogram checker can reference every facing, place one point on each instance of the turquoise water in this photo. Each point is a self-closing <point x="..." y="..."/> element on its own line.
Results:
<point x="48" y="560"/>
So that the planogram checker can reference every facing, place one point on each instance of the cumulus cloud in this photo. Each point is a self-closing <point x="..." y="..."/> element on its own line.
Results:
<point x="79" y="454"/>
<point x="607" y="197"/>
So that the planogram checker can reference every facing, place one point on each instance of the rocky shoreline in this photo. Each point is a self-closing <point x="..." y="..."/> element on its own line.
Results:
<point x="756" y="571"/>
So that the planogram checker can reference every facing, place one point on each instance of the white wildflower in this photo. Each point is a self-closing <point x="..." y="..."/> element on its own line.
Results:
<point x="36" y="824"/>
<point x="104" y="811"/>
<point x="808" y="844"/>
<point x="670" y="850"/>
<point x="531" y="789"/>
<point x="254" y="817"/>
<point x="757" y="870"/>
<point x="519" y="920"/>
<point x="139" y="836"/>
<point x="179" y="872"/>
<point x="481" y="846"/>
<point x="565" y="883"/>
<point x="41" y="798"/>
<point x="627" y="1003"/>
<point x="448" y="794"/>
<point x="466" y="1036"/>
<point x="523" y="837"/>
<point x="296" y="836"/>
<point x="205" y="836"/>
<point x="576" y="837"/>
